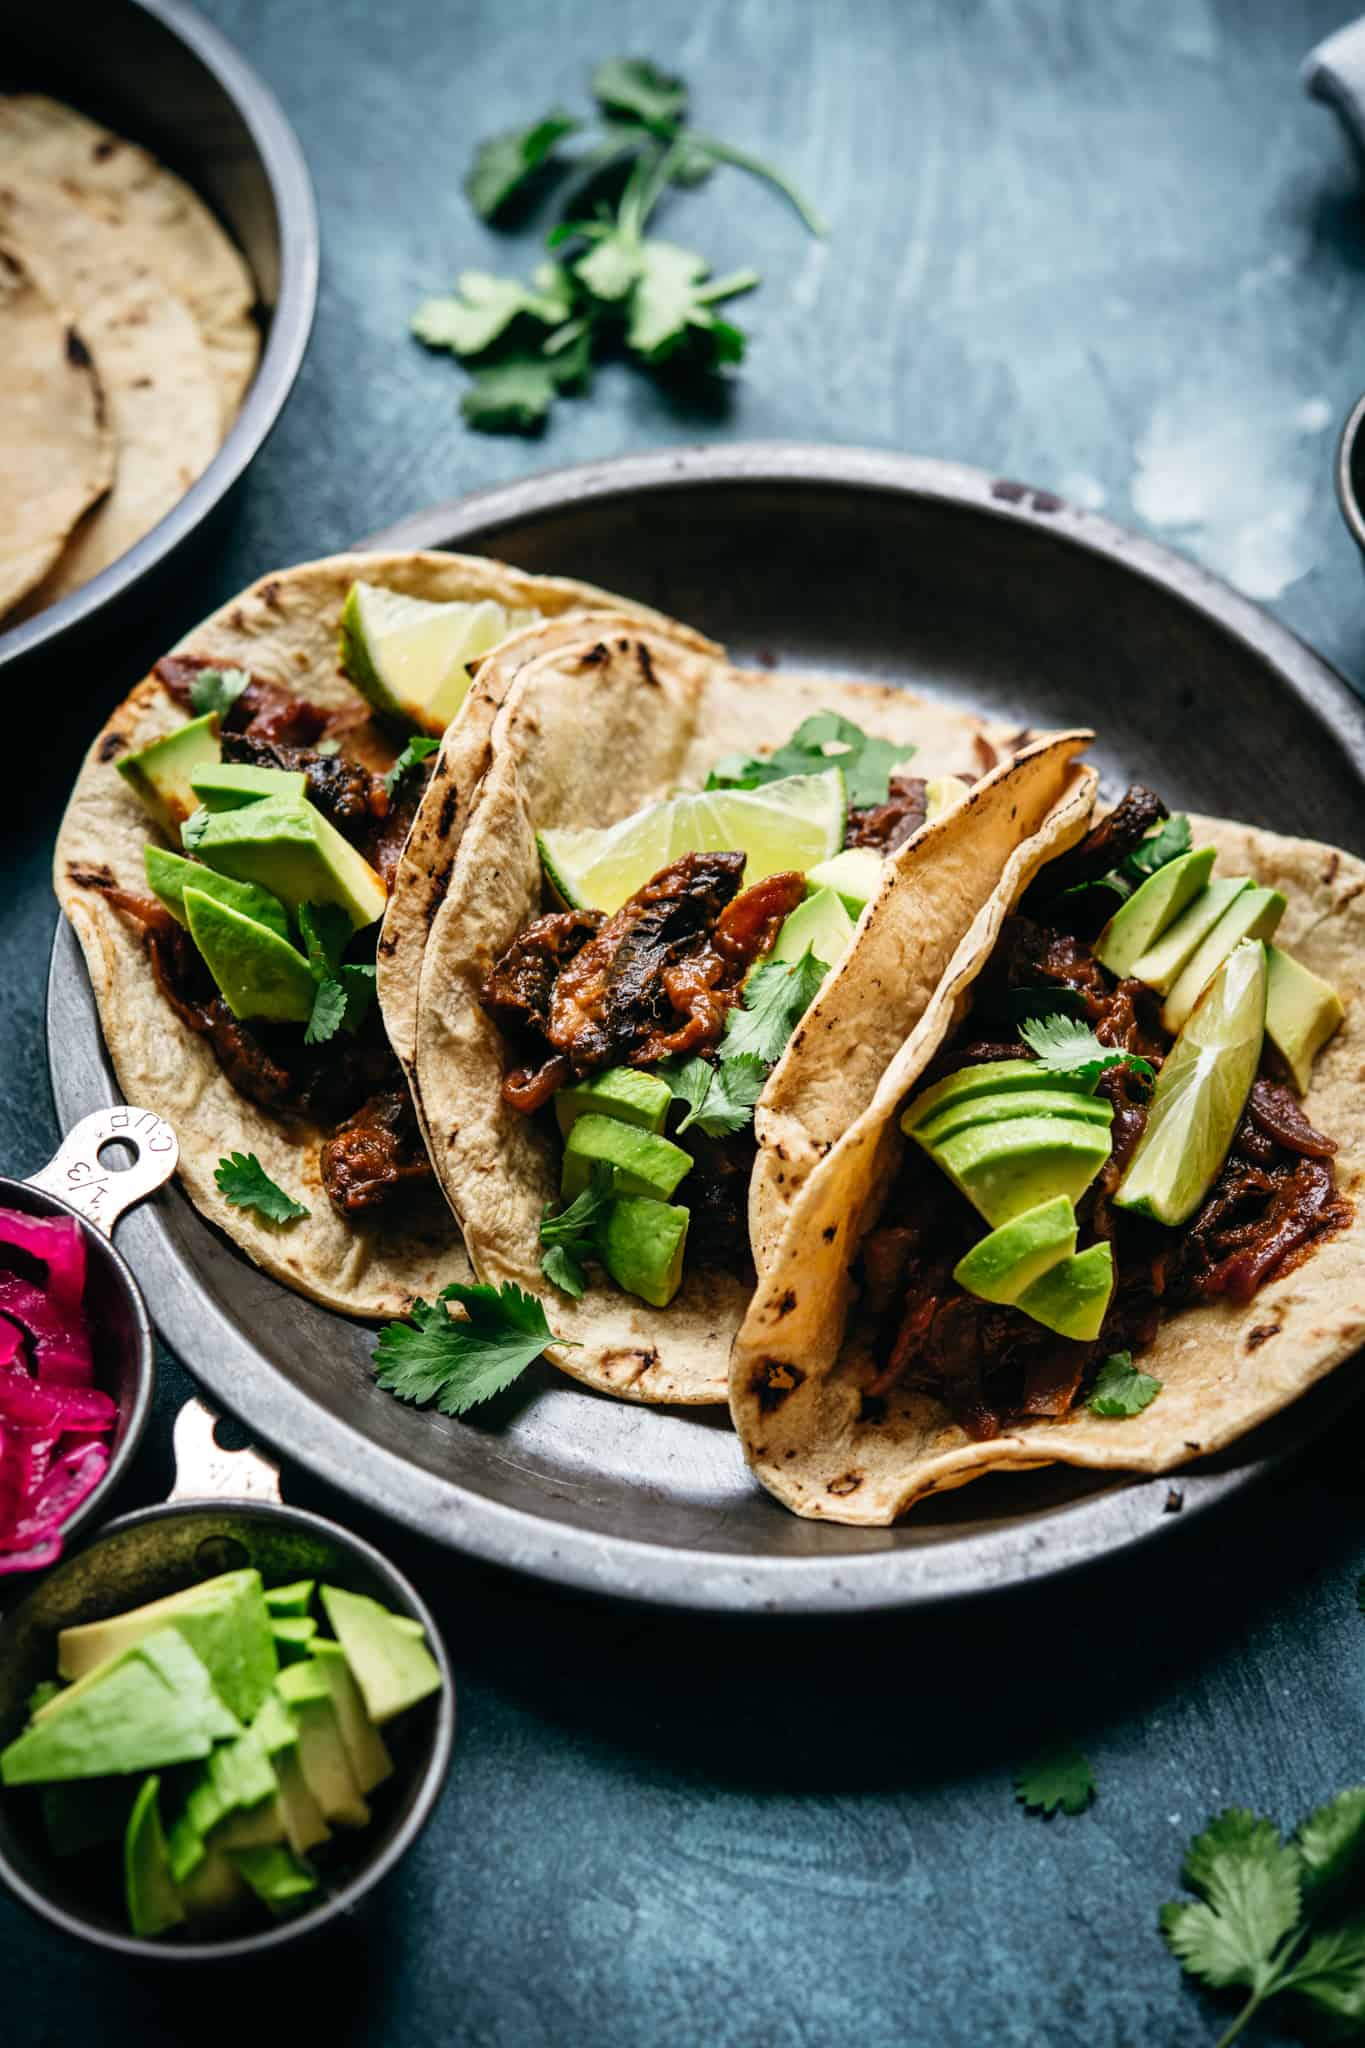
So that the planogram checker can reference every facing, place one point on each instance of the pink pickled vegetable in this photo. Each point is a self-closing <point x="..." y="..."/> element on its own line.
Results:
<point x="60" y="1243"/>
<point x="60" y="1494"/>
<point x="61" y="1344"/>
<point x="35" y="1404"/>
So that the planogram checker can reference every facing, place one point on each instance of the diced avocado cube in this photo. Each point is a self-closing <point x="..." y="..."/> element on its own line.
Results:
<point x="365" y="1746"/>
<point x="1153" y="906"/>
<point x="252" y="1827"/>
<point x="296" y="853"/>
<point x="293" y="1599"/>
<point x="941" y="793"/>
<point x="627" y="1094"/>
<point x="1004" y="1265"/>
<point x="87" y="1814"/>
<point x="643" y="1162"/>
<point x="1161" y="964"/>
<point x="226" y="785"/>
<point x="293" y="1633"/>
<point x="1301" y="1013"/>
<point x="322" y="1752"/>
<point x="393" y="1668"/>
<point x="1254" y="914"/>
<point x="967" y="1110"/>
<point x="1072" y="1296"/>
<point x="170" y="874"/>
<point x="852" y="874"/>
<point x="159" y="773"/>
<point x="1004" y="1169"/>
<point x="258" y="973"/>
<point x="992" y="1077"/>
<point x="409" y="1625"/>
<point x="215" y="1893"/>
<point x="643" y="1242"/>
<point x="281" y="1881"/>
<point x="223" y="1619"/>
<point x="150" y="1707"/>
<point x="151" y="1893"/>
<point x="821" y="925"/>
<point x="243" y="1772"/>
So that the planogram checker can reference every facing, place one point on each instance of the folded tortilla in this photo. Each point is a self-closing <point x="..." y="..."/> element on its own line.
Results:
<point x="590" y="733"/>
<point x="806" y="1349"/>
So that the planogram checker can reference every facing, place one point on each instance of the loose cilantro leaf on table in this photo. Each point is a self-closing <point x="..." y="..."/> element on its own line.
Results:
<point x="504" y="165"/>
<point x="671" y="306"/>
<point x="217" y="689"/>
<point x="459" y="1361"/>
<point x="824" y="740"/>
<point x="634" y="87"/>
<point x="244" y="1182"/>
<point x="416" y="750"/>
<point x="513" y="396"/>
<point x="777" y="996"/>
<point x="1056" y="1777"/>
<point x="1122" y="1390"/>
<point x="1063" y="1045"/>
<point x="571" y="1235"/>
<point x="720" y="1097"/>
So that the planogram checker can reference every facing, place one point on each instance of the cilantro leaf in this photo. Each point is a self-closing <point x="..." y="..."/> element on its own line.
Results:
<point x="459" y="1361"/>
<point x="326" y="932"/>
<point x="511" y="397"/>
<point x="611" y="266"/>
<point x="1064" y="1045"/>
<point x="635" y="87"/>
<point x="217" y="689"/>
<point x="824" y="740"/>
<point x="480" y="312"/>
<point x="417" y="749"/>
<point x="244" y="1182"/>
<point x="571" y="1236"/>
<point x="564" y="1269"/>
<point x="504" y="165"/>
<point x="1248" y="1885"/>
<point x="777" y="996"/>
<point x="360" y="983"/>
<point x="1121" y="1389"/>
<point x="1056" y="1777"/>
<point x="671" y="303"/>
<point x="194" y="828"/>
<point x="1331" y="1846"/>
<point x="1330" y="1977"/>
<point x="1170" y="839"/>
<point x="719" y="1098"/>
<point x="329" y="1008"/>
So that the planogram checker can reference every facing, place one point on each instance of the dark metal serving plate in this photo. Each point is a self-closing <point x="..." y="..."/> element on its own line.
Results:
<point x="922" y="572"/>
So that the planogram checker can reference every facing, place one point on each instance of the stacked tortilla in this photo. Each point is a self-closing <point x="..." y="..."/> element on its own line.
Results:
<point x="126" y="344"/>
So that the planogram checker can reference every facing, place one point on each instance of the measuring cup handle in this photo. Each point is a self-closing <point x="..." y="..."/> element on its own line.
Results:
<point x="101" y="1193"/>
<point x="205" y="1471"/>
<point x="1335" y="73"/>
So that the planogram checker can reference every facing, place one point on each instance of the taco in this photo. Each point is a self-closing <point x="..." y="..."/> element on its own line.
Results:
<point x="663" y="860"/>
<point x="1102" y="1207"/>
<point x="225" y="860"/>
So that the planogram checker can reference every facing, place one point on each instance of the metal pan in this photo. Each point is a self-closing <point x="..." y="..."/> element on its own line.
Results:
<point x="973" y="587"/>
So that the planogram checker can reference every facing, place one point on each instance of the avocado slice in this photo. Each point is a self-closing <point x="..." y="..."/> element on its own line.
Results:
<point x="85" y="1814"/>
<point x="159" y="773"/>
<point x="293" y="1634"/>
<point x="281" y="1881"/>
<point x="1072" y="1296"/>
<point x="852" y="874"/>
<point x="1301" y="1013"/>
<point x="227" y="785"/>
<point x="1006" y="1168"/>
<point x="322" y="1753"/>
<point x="304" y="1825"/>
<point x="992" y="1077"/>
<point x="1005" y="1264"/>
<point x="393" y="1667"/>
<point x="223" y="1619"/>
<point x="1153" y="906"/>
<point x="1012" y="1102"/>
<point x="296" y="1598"/>
<point x="370" y="1761"/>
<point x="292" y="850"/>
<point x="1161" y="964"/>
<point x="259" y="973"/>
<point x="153" y="1899"/>
<point x="1254" y="914"/>
<point x="820" y="923"/>
<point x="154" y="1705"/>
<point x="644" y="1163"/>
<point x="643" y="1242"/>
<point x="170" y="874"/>
<point x="215" y="1893"/>
<point x="626" y="1093"/>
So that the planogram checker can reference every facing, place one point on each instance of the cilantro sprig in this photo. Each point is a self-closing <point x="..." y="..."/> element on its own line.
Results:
<point x="824" y="740"/>
<point x="243" y="1181"/>
<point x="1166" y="842"/>
<point x="1120" y="1390"/>
<point x="1056" y="1778"/>
<point x="1278" y="1919"/>
<point x="416" y="750"/>
<point x="719" y="1096"/>
<point x="459" y="1361"/>
<point x="1063" y="1045"/>
<point x="572" y="1235"/>
<point x="777" y="996"/>
<point x="345" y="990"/>
<point x="217" y="689"/>
<point x="613" y="287"/>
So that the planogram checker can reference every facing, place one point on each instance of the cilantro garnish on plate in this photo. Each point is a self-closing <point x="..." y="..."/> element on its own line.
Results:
<point x="1063" y="1045"/>
<point x="1055" y="1778"/>
<point x="243" y="1181"/>
<point x="459" y="1361"/>
<point x="1121" y="1390"/>
<point x="777" y="996"/>
<point x="824" y="740"/>
<point x="217" y="689"/>
<point x="719" y="1097"/>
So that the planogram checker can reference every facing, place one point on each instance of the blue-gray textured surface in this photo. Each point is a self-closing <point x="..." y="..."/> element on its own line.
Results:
<point x="1105" y="247"/>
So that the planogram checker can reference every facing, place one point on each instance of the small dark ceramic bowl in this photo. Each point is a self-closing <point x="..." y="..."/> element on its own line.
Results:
<point x="1350" y="474"/>
<point x="158" y="73"/>
<point x="143" y="1556"/>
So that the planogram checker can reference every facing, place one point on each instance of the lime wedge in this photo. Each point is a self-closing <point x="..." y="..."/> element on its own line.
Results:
<point x="1200" y="1093"/>
<point x="411" y="657"/>
<point x="793" y="823"/>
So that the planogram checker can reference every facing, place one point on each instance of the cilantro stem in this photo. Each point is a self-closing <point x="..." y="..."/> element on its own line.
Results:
<point x="727" y="287"/>
<point x="646" y="186"/>
<point x="742" y="161"/>
<point x="1248" y="2012"/>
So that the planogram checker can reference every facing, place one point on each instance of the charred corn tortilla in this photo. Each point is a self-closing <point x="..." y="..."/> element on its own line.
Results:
<point x="591" y="733"/>
<point x="804" y="1352"/>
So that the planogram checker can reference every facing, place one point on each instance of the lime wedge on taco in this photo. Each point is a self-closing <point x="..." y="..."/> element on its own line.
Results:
<point x="410" y="655"/>
<point x="793" y="823"/>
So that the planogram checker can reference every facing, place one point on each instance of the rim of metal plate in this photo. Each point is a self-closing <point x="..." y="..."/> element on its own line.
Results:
<point x="225" y="1359"/>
